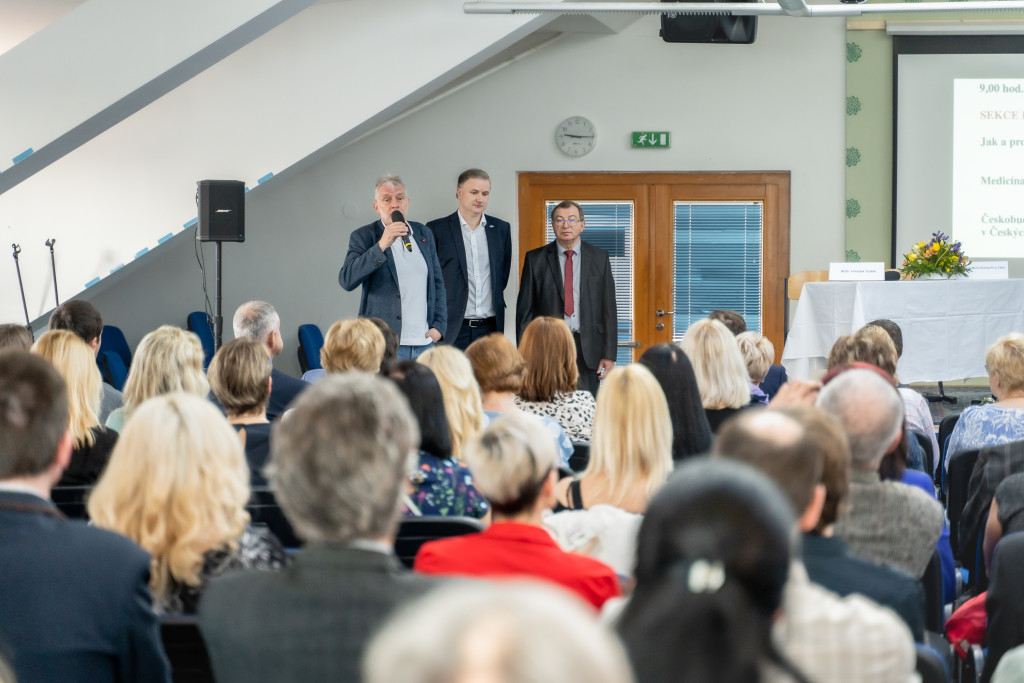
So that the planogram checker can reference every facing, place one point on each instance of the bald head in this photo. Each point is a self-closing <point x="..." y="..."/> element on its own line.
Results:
<point x="870" y="411"/>
<point x="778" y="446"/>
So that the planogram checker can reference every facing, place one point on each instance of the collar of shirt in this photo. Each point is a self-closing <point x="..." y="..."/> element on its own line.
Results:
<point x="465" y="224"/>
<point x="371" y="545"/>
<point x="575" y="247"/>
<point x="9" y="487"/>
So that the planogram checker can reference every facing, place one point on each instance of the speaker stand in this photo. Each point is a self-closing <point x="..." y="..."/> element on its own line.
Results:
<point x="218" y="319"/>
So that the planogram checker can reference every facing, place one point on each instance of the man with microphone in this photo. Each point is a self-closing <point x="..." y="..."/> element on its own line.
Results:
<point x="395" y="261"/>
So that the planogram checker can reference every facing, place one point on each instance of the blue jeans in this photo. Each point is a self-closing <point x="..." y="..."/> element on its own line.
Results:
<point x="412" y="352"/>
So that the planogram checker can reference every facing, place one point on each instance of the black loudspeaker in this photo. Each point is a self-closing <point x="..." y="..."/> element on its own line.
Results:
<point x="708" y="28"/>
<point x="221" y="211"/>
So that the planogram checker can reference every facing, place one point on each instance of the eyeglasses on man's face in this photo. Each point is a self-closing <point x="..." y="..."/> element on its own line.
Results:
<point x="572" y="220"/>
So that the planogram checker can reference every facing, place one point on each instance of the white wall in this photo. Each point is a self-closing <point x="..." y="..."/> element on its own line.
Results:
<point x="774" y="105"/>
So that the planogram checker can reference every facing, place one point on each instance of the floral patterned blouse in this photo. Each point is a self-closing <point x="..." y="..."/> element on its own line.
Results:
<point x="985" y="425"/>
<point x="575" y="412"/>
<point x="444" y="487"/>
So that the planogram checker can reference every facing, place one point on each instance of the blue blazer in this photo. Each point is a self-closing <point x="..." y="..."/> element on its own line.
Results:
<point x="74" y="599"/>
<point x="451" y="252"/>
<point x="367" y="265"/>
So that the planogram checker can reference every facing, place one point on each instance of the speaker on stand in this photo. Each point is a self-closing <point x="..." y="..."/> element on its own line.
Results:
<point x="221" y="219"/>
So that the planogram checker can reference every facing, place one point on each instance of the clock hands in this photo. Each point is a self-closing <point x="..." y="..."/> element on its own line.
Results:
<point x="570" y="135"/>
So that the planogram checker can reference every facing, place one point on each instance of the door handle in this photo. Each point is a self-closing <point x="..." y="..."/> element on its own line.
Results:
<point x="629" y="345"/>
<point x="661" y="313"/>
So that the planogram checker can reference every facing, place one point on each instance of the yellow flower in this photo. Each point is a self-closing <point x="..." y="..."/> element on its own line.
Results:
<point x="920" y="245"/>
<point x="912" y="257"/>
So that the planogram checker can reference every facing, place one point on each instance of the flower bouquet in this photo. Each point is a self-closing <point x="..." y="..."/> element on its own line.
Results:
<point x="937" y="257"/>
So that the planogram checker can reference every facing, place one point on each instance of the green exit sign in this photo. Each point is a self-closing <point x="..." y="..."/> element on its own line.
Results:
<point x="646" y="138"/>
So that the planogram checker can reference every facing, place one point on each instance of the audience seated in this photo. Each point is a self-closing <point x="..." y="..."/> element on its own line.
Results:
<point x="776" y="375"/>
<point x="499" y="368"/>
<point x="462" y="403"/>
<point x="239" y="376"/>
<point x="338" y="464"/>
<point x="167" y="359"/>
<point x="177" y="485"/>
<point x="513" y="633"/>
<point x="352" y="344"/>
<point x="827" y="558"/>
<point x="1004" y="516"/>
<point x="993" y="466"/>
<point x="257" y="320"/>
<point x="514" y="461"/>
<point x="888" y="522"/>
<point x="721" y="373"/>
<point x="712" y="564"/>
<point x="15" y="337"/>
<point x="919" y="415"/>
<point x="549" y="386"/>
<point x="82" y="318"/>
<point x="441" y="484"/>
<point x="691" y="433"/>
<point x="1004" y="604"/>
<point x="829" y="638"/>
<point x="599" y="513"/>
<point x="74" y="600"/>
<point x="1003" y="421"/>
<point x="92" y="442"/>
<point x="757" y="352"/>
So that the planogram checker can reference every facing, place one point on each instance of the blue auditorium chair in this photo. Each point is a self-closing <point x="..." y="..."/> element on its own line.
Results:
<point x="311" y="340"/>
<point x="198" y="322"/>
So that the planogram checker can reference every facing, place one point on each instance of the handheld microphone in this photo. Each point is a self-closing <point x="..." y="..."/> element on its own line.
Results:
<point x="397" y="217"/>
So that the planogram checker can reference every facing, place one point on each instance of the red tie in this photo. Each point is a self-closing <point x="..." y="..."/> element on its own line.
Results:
<point x="569" y="307"/>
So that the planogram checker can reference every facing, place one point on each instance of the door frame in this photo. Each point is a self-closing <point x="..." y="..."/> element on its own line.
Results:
<point x="652" y="194"/>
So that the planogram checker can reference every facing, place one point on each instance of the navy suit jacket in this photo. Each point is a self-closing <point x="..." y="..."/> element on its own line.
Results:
<point x="541" y="293"/>
<point x="367" y="265"/>
<point x="74" y="599"/>
<point x="451" y="252"/>
<point x="283" y="390"/>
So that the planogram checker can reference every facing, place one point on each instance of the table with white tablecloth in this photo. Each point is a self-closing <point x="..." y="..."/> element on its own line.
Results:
<point x="947" y="324"/>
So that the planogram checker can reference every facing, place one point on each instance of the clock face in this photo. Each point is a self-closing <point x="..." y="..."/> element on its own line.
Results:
<point x="576" y="136"/>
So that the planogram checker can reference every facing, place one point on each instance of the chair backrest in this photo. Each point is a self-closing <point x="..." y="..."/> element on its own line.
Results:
<point x="934" y="607"/>
<point x="926" y="450"/>
<point x="945" y="429"/>
<point x="795" y="283"/>
<point x="580" y="457"/>
<point x="198" y="322"/>
<point x="112" y="369"/>
<point x="263" y="509"/>
<point x="311" y="340"/>
<point x="71" y="500"/>
<point x="958" y="480"/>
<point x="413" y="532"/>
<point x="113" y="340"/>
<point x="930" y="666"/>
<point x="185" y="648"/>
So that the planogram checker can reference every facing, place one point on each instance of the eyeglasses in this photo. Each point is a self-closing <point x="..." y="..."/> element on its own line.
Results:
<point x="570" y="221"/>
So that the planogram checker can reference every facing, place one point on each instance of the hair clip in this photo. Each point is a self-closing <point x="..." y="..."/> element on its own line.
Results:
<point x="704" y="576"/>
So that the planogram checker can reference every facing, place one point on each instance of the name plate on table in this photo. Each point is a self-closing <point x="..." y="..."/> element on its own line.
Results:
<point x="989" y="270"/>
<point x="869" y="270"/>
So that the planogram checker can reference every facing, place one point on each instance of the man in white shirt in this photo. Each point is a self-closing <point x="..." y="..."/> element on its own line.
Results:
<point x="475" y="251"/>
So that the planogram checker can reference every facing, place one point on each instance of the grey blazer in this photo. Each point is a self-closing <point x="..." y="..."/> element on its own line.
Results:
<point x="310" y="622"/>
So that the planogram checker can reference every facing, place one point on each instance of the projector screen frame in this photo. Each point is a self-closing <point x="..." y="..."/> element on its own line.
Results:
<point x="935" y="45"/>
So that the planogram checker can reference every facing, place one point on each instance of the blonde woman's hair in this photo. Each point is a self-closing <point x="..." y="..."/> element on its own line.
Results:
<point x="76" y="363"/>
<point x="353" y="344"/>
<point x="721" y="373"/>
<point x="632" y="439"/>
<point x="758" y="353"/>
<point x="510" y="461"/>
<point x="176" y="484"/>
<point x="239" y="374"/>
<point x="167" y="359"/>
<point x="462" y="402"/>
<point x="496" y="363"/>
<point x="550" y="354"/>
<point x="1005" y="359"/>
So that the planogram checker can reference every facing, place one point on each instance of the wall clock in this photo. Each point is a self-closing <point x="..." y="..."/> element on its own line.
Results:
<point x="576" y="136"/>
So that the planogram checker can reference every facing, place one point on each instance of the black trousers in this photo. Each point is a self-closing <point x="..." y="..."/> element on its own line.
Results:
<point x="588" y="376"/>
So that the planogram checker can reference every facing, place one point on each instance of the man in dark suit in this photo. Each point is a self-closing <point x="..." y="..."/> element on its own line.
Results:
<point x="338" y="466"/>
<point x="475" y="263"/>
<point x="74" y="600"/>
<point x="396" y="264"/>
<point x="578" y="288"/>
<point x="259" y="321"/>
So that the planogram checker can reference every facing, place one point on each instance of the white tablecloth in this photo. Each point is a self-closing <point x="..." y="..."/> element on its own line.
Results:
<point x="947" y="324"/>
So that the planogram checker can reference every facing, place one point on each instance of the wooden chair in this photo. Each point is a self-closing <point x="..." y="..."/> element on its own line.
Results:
<point x="795" y="286"/>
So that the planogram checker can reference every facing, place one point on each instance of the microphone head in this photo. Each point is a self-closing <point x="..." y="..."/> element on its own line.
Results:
<point x="397" y="217"/>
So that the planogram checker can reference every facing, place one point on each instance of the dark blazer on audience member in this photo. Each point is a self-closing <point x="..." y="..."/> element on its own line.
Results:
<point x="451" y="253"/>
<point x="74" y="600"/>
<point x="830" y="564"/>
<point x="283" y="390"/>
<point x="775" y="378"/>
<point x="307" y="623"/>
<point x="541" y="294"/>
<point x="1005" y="602"/>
